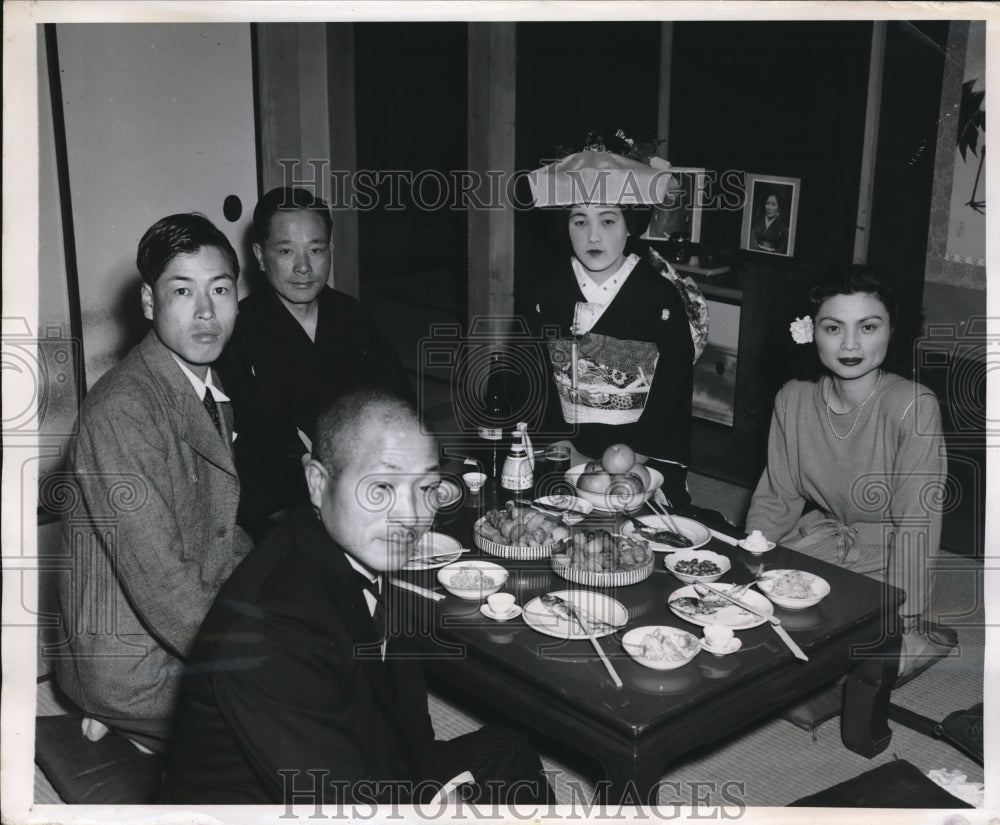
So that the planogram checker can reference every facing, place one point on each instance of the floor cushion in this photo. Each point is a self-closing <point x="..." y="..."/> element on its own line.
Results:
<point x="108" y="772"/>
<point x="896" y="784"/>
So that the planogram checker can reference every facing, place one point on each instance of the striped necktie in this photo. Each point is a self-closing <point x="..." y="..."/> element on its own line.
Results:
<point x="213" y="409"/>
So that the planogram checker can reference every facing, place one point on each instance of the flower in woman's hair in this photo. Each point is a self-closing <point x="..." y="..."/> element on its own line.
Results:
<point x="620" y="134"/>
<point x="802" y="330"/>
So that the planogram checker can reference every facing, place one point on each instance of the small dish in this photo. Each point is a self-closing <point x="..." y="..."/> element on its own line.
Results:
<point x="485" y="579"/>
<point x="513" y="613"/>
<point x="682" y="563"/>
<point x="734" y="645"/>
<point x="793" y="589"/>
<point x="752" y="548"/>
<point x="474" y="481"/>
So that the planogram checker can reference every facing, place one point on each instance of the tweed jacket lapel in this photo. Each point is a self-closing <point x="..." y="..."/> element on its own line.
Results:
<point x="197" y="430"/>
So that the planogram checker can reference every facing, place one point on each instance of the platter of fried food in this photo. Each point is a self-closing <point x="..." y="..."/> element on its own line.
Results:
<point x="519" y="532"/>
<point x="598" y="558"/>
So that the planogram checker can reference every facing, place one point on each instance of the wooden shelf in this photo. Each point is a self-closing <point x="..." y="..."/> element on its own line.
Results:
<point x="694" y="267"/>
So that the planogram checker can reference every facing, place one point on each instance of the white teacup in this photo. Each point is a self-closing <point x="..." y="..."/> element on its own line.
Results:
<point x="474" y="481"/>
<point x="501" y="603"/>
<point x="718" y="636"/>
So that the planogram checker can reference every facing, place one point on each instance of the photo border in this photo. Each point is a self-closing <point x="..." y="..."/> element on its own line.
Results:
<point x="697" y="205"/>
<point x="752" y="179"/>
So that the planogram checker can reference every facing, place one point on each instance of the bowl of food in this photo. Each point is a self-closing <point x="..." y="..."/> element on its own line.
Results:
<point x="473" y="580"/>
<point x="619" y="481"/>
<point x="697" y="566"/>
<point x="519" y="532"/>
<point x="661" y="647"/>
<point x="793" y="589"/>
<point x="599" y="558"/>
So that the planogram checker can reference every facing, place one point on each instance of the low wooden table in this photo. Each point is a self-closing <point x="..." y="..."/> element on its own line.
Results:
<point x="559" y="690"/>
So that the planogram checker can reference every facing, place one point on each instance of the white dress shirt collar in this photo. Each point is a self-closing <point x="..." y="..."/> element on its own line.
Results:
<point x="199" y="385"/>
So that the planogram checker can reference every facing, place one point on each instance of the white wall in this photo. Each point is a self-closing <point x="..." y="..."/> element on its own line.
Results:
<point x="159" y="119"/>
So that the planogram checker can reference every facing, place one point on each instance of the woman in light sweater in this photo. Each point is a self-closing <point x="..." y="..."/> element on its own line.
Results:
<point x="856" y="462"/>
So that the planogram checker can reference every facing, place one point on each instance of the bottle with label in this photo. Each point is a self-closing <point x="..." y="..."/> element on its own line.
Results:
<point x="518" y="477"/>
<point x="496" y="412"/>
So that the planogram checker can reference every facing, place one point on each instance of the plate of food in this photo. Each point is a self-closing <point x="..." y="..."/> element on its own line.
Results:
<point x="793" y="589"/>
<point x="553" y="614"/>
<point x="661" y="647"/>
<point x="712" y="609"/>
<point x="598" y="558"/>
<point x="572" y="509"/>
<point x="432" y="551"/>
<point x="662" y="539"/>
<point x="519" y="532"/>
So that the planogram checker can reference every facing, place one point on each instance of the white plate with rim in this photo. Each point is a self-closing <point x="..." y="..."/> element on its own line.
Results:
<point x="573" y="508"/>
<point x="444" y="549"/>
<point x="538" y="617"/>
<point x="697" y="532"/>
<point x="727" y="613"/>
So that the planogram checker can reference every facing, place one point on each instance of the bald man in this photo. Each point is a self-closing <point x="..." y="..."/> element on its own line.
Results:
<point x="293" y="686"/>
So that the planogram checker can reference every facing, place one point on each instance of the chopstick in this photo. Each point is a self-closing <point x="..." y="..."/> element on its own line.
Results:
<point x="600" y="651"/>
<point x="416" y="588"/>
<point x="607" y="662"/>
<point x="664" y="515"/>
<point x="723" y="537"/>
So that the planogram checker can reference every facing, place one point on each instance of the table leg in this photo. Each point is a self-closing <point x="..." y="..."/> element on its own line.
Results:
<point x="629" y="783"/>
<point x="864" y="724"/>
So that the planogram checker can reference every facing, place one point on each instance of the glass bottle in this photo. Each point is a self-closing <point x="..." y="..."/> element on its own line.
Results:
<point x="496" y="412"/>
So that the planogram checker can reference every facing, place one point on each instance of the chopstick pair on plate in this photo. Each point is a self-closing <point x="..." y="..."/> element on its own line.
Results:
<point x="660" y="509"/>
<point x="560" y="607"/>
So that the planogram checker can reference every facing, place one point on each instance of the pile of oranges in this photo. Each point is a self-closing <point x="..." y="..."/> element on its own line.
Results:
<point x="617" y="472"/>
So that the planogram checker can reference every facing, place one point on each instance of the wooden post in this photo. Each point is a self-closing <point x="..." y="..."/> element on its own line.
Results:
<point x="491" y="99"/>
<point x="343" y="143"/>
<point x="873" y="113"/>
<point x="307" y="124"/>
<point x="663" y="115"/>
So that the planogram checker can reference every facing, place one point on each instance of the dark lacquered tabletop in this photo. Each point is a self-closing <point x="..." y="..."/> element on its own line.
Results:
<point x="562" y="689"/>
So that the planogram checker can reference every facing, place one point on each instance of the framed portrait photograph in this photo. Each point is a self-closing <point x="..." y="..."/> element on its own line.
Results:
<point x="770" y="215"/>
<point x="679" y="216"/>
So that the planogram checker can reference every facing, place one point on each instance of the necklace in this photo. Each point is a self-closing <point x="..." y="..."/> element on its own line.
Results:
<point x="860" y="406"/>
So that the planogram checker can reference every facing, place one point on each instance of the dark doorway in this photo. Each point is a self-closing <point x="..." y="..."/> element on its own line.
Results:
<point x="411" y="133"/>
